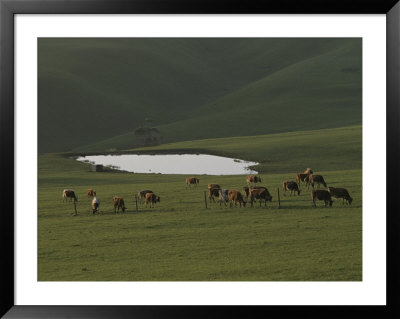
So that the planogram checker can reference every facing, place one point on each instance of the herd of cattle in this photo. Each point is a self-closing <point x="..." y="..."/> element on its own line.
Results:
<point x="251" y="192"/>
<point x="118" y="202"/>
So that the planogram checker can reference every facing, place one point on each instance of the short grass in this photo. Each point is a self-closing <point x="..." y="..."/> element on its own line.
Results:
<point x="181" y="240"/>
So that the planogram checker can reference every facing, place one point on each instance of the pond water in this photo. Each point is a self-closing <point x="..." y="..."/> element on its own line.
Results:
<point x="173" y="164"/>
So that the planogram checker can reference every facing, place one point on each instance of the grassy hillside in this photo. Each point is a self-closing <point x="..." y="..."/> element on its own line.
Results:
<point x="328" y="149"/>
<point x="92" y="91"/>
<point x="182" y="240"/>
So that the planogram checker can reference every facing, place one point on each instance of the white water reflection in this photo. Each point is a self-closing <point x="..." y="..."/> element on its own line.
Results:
<point x="174" y="164"/>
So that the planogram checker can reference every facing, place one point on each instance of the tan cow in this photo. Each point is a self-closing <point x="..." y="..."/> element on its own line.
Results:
<point x="142" y="195"/>
<point x="118" y="203"/>
<point x="152" y="199"/>
<point x="192" y="180"/>
<point x="235" y="196"/>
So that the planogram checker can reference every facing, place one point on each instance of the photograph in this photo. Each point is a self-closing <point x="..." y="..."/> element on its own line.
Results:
<point x="200" y="159"/>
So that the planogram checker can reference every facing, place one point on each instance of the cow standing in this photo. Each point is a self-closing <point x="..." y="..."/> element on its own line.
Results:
<point x="69" y="193"/>
<point x="191" y="181"/>
<point x="321" y="194"/>
<point x="119" y="203"/>
<point x="152" y="199"/>
<point x="235" y="196"/>
<point x="317" y="179"/>
<point x="213" y="192"/>
<point x="142" y="195"/>
<point x="291" y="186"/>
<point x="261" y="193"/>
<point x="95" y="205"/>
<point x="340" y="193"/>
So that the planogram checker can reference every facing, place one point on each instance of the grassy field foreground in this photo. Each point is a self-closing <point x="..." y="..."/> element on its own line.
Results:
<point x="180" y="240"/>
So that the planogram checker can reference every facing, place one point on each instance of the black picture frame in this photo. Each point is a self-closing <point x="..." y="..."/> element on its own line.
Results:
<point x="9" y="8"/>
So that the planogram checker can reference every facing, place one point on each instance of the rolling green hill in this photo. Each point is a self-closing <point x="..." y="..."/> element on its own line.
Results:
<point x="328" y="149"/>
<point x="94" y="92"/>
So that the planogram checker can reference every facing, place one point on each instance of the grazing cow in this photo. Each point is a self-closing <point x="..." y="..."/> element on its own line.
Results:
<point x="152" y="199"/>
<point x="213" y="186"/>
<point x="191" y="180"/>
<point x="290" y="186"/>
<point x="321" y="194"/>
<point x="69" y="193"/>
<point x="340" y="193"/>
<point x="142" y="195"/>
<point x="90" y="193"/>
<point x="253" y="179"/>
<point x="95" y="204"/>
<point x="235" y="196"/>
<point x="213" y="192"/>
<point x="317" y="179"/>
<point x="119" y="203"/>
<point x="261" y="193"/>
<point x="308" y="171"/>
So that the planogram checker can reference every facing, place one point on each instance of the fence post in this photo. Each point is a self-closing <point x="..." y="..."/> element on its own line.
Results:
<point x="76" y="213"/>
<point x="279" y="200"/>
<point x="205" y="199"/>
<point x="136" y="204"/>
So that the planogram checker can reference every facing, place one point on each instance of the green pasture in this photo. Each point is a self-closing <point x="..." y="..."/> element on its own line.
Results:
<point x="181" y="240"/>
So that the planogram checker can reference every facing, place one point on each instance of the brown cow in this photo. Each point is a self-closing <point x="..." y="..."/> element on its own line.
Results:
<point x="321" y="194"/>
<point x="118" y="203"/>
<point x="252" y="179"/>
<point x="340" y="193"/>
<point x="152" y="199"/>
<point x="90" y="193"/>
<point x="142" y="195"/>
<point x="192" y="180"/>
<point x="260" y="193"/>
<point x="213" y="186"/>
<point x="235" y="196"/>
<point x="69" y="193"/>
<point x="290" y="186"/>
<point x="317" y="179"/>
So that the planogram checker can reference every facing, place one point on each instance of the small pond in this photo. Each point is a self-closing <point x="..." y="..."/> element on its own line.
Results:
<point x="173" y="164"/>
